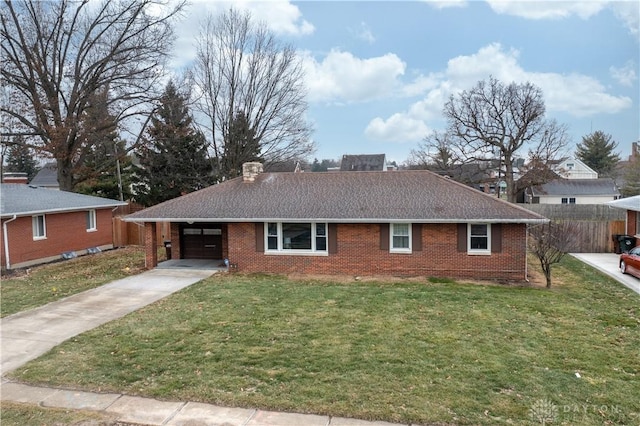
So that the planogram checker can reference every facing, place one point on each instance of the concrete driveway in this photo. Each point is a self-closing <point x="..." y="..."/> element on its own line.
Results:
<point x="609" y="263"/>
<point x="27" y="335"/>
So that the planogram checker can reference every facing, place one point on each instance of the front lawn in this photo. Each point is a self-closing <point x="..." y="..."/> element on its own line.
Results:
<point x="17" y="414"/>
<point x="39" y="285"/>
<point x="420" y="352"/>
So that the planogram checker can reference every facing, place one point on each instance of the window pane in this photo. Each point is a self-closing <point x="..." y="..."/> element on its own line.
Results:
<point x="321" y="229"/>
<point x="272" y="229"/>
<point x="400" y="242"/>
<point x="272" y="243"/>
<point x="38" y="226"/>
<point x="321" y="243"/>
<point x="296" y="236"/>
<point x="479" y="243"/>
<point x="401" y="229"/>
<point x="480" y="229"/>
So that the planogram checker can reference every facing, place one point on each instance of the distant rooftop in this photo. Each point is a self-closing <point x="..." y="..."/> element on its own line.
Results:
<point x="47" y="176"/>
<point x="363" y="163"/>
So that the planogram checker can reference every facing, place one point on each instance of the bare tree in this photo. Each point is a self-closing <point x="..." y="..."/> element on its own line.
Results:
<point x="56" y="55"/>
<point x="493" y="119"/>
<point x="551" y="241"/>
<point x="242" y="69"/>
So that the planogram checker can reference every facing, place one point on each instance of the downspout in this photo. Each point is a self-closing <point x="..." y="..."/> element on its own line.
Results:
<point x="6" y="241"/>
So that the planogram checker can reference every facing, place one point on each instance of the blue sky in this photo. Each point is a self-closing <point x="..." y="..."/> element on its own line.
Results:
<point x="379" y="72"/>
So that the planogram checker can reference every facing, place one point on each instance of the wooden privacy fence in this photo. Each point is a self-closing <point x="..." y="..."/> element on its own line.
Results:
<point x="131" y="233"/>
<point x="596" y="223"/>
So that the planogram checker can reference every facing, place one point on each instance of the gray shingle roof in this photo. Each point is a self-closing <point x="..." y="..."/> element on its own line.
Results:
<point x="629" y="203"/>
<point x="577" y="187"/>
<point x="24" y="200"/>
<point x="47" y="176"/>
<point x="418" y="196"/>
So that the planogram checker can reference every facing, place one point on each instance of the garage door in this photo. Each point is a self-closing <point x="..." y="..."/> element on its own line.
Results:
<point x="201" y="243"/>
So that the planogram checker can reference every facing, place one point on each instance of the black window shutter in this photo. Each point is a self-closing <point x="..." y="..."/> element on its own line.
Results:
<point x="333" y="238"/>
<point x="416" y="237"/>
<point x="462" y="237"/>
<point x="259" y="237"/>
<point x="384" y="236"/>
<point x="496" y="238"/>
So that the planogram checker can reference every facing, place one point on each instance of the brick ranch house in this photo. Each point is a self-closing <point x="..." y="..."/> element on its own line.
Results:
<point x="402" y="223"/>
<point x="39" y="224"/>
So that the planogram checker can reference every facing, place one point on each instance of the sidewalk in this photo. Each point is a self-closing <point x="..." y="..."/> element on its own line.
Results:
<point x="146" y="411"/>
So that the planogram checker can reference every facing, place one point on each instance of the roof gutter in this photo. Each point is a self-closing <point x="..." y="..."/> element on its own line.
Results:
<point x="328" y="220"/>
<point x="6" y="241"/>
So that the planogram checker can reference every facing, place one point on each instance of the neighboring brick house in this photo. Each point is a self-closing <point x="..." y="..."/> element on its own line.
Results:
<point x="632" y="206"/>
<point x="39" y="224"/>
<point x="405" y="223"/>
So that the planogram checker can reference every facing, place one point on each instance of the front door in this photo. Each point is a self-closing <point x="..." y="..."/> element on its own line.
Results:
<point x="201" y="242"/>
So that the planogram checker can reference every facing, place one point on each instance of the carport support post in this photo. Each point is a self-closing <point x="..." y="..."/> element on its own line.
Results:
<point x="151" y="245"/>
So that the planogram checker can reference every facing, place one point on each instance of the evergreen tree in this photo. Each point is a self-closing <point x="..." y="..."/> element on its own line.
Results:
<point x="596" y="151"/>
<point x="20" y="158"/>
<point x="631" y="175"/>
<point x="241" y="146"/>
<point x="103" y="169"/>
<point x="173" y="158"/>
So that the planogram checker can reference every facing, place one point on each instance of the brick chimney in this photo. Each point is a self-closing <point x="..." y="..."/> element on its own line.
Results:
<point x="251" y="170"/>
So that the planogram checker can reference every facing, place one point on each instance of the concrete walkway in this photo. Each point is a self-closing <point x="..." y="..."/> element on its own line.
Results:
<point x="609" y="263"/>
<point x="27" y="335"/>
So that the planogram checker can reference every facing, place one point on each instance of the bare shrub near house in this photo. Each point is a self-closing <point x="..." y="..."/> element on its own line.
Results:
<point x="551" y="241"/>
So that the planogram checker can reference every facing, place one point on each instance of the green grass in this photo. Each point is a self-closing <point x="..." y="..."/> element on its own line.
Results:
<point x="16" y="414"/>
<point x="43" y="284"/>
<point x="420" y="352"/>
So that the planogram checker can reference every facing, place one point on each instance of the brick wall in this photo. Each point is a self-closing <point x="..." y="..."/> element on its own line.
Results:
<point x="632" y="222"/>
<point x="359" y="253"/>
<point x="64" y="232"/>
<point x="151" y="245"/>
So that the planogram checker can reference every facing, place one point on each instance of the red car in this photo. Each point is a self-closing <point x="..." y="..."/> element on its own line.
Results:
<point x="630" y="262"/>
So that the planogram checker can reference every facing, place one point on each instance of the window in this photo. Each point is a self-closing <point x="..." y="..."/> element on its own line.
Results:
<point x="91" y="220"/>
<point x="571" y="200"/>
<point x="400" y="237"/>
<point x="479" y="238"/>
<point x="39" y="227"/>
<point x="296" y="237"/>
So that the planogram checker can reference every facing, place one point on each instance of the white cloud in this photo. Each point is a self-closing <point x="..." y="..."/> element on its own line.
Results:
<point x="574" y="94"/>
<point x="397" y="128"/>
<point x="364" y="33"/>
<point x="547" y="9"/>
<point x="627" y="11"/>
<point x="280" y="16"/>
<point x="625" y="75"/>
<point x="343" y="78"/>
<point x="443" y="4"/>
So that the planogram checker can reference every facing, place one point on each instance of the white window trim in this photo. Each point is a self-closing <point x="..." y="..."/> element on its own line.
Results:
<point x="292" y="252"/>
<point x="481" y="252"/>
<point x="94" y="219"/>
<point x="34" y="227"/>
<point x="393" y="249"/>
